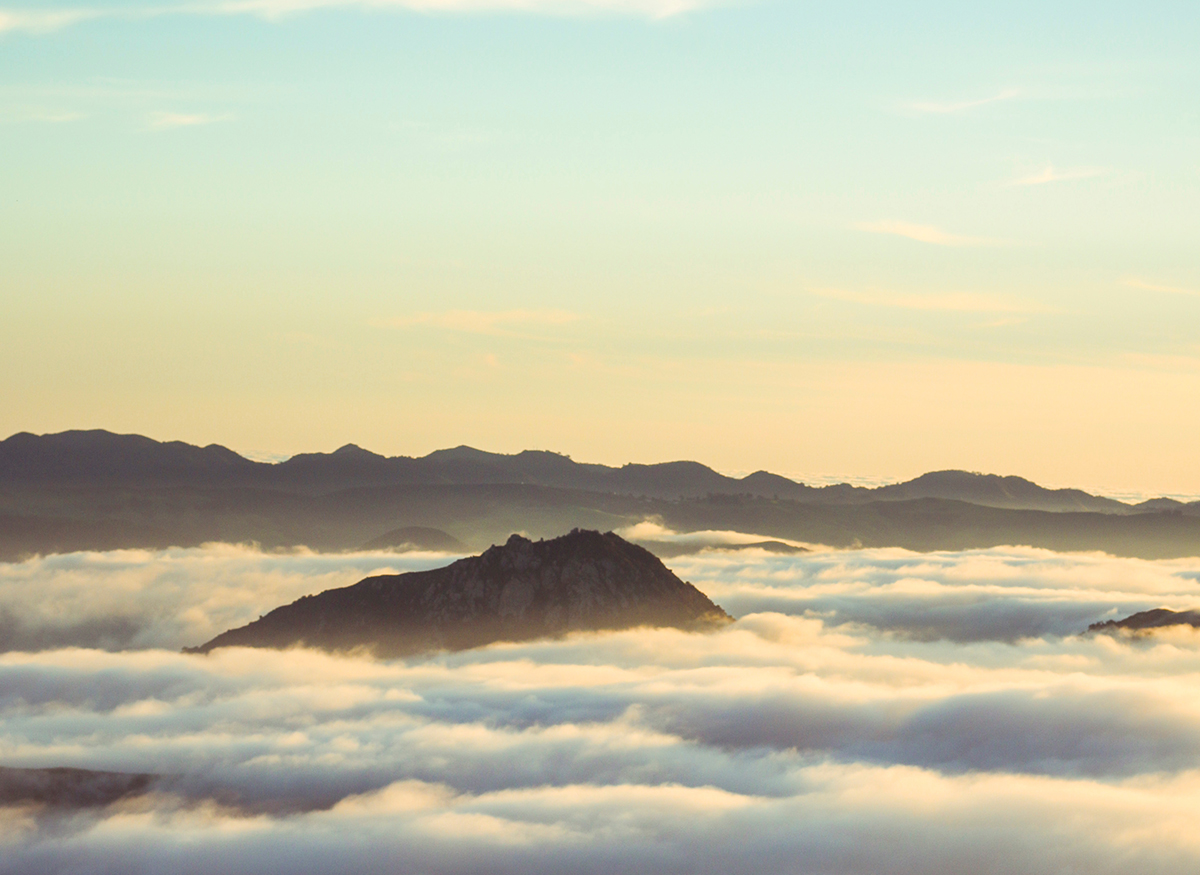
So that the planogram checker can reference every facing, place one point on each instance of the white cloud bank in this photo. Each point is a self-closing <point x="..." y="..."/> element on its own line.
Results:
<point x="999" y="594"/>
<point x="839" y="739"/>
<point x="143" y="599"/>
<point x="136" y="599"/>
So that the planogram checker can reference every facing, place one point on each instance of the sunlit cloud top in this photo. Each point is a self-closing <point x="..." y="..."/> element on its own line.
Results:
<point x="940" y="708"/>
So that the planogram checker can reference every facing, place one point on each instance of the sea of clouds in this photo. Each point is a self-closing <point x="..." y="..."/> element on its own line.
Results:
<point x="870" y="711"/>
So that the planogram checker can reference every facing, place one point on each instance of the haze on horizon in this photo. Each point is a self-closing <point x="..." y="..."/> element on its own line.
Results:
<point x="866" y="238"/>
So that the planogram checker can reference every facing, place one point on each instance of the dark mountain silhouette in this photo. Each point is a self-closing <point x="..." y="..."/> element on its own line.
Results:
<point x="103" y="457"/>
<point x="689" y="547"/>
<point x="85" y="458"/>
<point x="516" y="592"/>
<point x="416" y="538"/>
<point x="1155" y="505"/>
<point x="991" y="490"/>
<point x="99" y="491"/>
<point x="1146" y="621"/>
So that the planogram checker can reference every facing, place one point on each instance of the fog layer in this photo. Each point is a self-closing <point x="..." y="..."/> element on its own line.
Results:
<point x="876" y="711"/>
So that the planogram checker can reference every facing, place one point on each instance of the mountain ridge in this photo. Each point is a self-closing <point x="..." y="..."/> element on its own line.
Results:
<point x="97" y="491"/>
<point x="98" y="457"/>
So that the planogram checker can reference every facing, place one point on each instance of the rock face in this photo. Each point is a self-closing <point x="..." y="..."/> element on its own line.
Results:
<point x="1144" y="621"/>
<point x="520" y="591"/>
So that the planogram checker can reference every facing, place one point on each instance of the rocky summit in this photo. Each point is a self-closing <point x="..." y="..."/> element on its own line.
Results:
<point x="516" y="592"/>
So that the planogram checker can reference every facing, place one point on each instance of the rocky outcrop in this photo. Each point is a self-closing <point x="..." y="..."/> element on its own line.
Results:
<point x="516" y="592"/>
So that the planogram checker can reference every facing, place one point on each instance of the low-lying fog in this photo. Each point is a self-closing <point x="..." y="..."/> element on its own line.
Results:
<point x="872" y="711"/>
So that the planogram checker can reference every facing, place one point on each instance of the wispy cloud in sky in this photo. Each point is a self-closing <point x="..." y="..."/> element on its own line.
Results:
<point x="948" y="107"/>
<point x="924" y="234"/>
<point x="166" y="120"/>
<point x="956" y="302"/>
<point x="1050" y="174"/>
<point x="39" y="115"/>
<point x="43" y="21"/>
<point x="653" y="8"/>
<point x="1135" y="283"/>
<point x="57" y="117"/>
<point x="484" y="321"/>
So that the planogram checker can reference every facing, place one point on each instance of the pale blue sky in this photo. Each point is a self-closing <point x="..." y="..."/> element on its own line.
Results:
<point x="806" y="236"/>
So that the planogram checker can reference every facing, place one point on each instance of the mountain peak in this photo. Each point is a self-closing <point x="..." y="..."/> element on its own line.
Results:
<point x="517" y="591"/>
<point x="354" y="451"/>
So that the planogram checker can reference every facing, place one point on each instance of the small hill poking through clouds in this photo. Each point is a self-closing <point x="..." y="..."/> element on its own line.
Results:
<point x="408" y="538"/>
<point x="516" y="592"/>
<point x="1145" y="622"/>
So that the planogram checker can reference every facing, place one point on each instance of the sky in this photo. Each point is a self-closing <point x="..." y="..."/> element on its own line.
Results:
<point x="861" y="237"/>
<point x="822" y="731"/>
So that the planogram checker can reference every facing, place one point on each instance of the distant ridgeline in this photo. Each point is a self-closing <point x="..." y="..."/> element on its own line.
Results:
<point x="102" y="458"/>
<point x="97" y="490"/>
